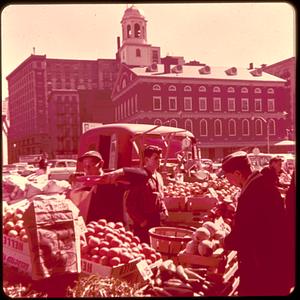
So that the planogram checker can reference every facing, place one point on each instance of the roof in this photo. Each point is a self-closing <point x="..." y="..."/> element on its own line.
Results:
<point x="140" y="128"/>
<point x="215" y="73"/>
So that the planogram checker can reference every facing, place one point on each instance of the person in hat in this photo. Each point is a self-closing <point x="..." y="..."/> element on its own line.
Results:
<point x="144" y="202"/>
<point x="259" y="232"/>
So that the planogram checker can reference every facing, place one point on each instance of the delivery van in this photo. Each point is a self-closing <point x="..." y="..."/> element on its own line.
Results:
<point x="122" y="144"/>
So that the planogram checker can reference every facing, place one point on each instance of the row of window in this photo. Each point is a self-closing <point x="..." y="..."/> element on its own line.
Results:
<point x="218" y="127"/>
<point x="216" y="89"/>
<point x="126" y="108"/>
<point x="231" y="104"/>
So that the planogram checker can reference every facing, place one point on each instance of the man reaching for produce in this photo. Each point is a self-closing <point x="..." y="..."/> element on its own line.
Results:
<point x="259" y="233"/>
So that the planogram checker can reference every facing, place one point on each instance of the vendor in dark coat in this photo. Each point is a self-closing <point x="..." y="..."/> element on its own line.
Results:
<point x="259" y="233"/>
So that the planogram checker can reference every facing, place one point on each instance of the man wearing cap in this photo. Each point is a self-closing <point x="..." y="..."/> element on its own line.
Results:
<point x="259" y="232"/>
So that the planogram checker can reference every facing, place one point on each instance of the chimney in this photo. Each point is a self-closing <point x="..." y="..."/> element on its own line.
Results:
<point x="118" y="42"/>
<point x="250" y="66"/>
<point x="167" y="61"/>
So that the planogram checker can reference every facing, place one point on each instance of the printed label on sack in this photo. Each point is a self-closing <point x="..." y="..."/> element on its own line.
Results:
<point x="144" y="269"/>
<point x="19" y="261"/>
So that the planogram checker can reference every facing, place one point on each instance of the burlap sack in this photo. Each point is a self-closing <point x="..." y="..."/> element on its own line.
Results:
<point x="54" y="238"/>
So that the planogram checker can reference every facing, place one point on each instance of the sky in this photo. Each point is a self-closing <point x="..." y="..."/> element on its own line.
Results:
<point x="218" y="34"/>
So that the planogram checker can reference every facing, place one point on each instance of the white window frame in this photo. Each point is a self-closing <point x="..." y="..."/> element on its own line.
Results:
<point x="136" y="102"/>
<point x="216" y="89"/>
<point x="173" y="121"/>
<point x="156" y="87"/>
<point x="121" y="106"/>
<point x="246" y="100"/>
<point x="232" y="101"/>
<point x="257" y="102"/>
<point x="157" y="122"/>
<point x="202" y="88"/>
<point x="271" y="104"/>
<point x="155" y="98"/>
<point x="232" y="121"/>
<point x="172" y="88"/>
<point x="173" y="98"/>
<point x="215" y="122"/>
<point x="187" y="88"/>
<point x="128" y="107"/>
<point x="272" y="121"/>
<point x="217" y="100"/>
<point x="247" y="126"/>
<point x="270" y="91"/>
<point x="230" y="89"/>
<point x="257" y="91"/>
<point x="260" y="123"/>
<point x="203" y="100"/>
<point x="191" y="123"/>
<point x="132" y="106"/>
<point x="206" y="131"/>
<point x="185" y="101"/>
<point x="244" y="90"/>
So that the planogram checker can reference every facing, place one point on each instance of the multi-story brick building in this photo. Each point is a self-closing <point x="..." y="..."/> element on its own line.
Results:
<point x="226" y="108"/>
<point x="38" y="84"/>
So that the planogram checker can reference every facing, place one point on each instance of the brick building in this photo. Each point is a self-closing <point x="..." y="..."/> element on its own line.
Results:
<point x="37" y="86"/>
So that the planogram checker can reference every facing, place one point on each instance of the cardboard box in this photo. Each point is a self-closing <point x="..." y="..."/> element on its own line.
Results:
<point x="120" y="271"/>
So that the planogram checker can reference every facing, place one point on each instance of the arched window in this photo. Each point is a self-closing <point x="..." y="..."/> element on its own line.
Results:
<point x="123" y="83"/>
<point x="202" y="88"/>
<point x="173" y="123"/>
<point x="258" y="127"/>
<point x="245" y="127"/>
<point x="270" y="91"/>
<point x="230" y="90"/>
<point x="156" y="87"/>
<point x="216" y="89"/>
<point x="257" y="91"/>
<point x="138" y="52"/>
<point x="244" y="90"/>
<point x="172" y="88"/>
<point x="187" y="88"/>
<point x="272" y="129"/>
<point x="231" y="127"/>
<point x="188" y="124"/>
<point x="137" y="30"/>
<point x="203" y="128"/>
<point x="218" y="127"/>
<point x="128" y="31"/>
<point x="157" y="122"/>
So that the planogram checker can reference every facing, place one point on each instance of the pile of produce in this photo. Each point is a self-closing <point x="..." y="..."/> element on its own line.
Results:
<point x="21" y="291"/>
<point x="110" y="244"/>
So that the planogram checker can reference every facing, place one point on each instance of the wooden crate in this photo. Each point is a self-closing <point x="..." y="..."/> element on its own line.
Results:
<point x="175" y="203"/>
<point x="201" y="203"/>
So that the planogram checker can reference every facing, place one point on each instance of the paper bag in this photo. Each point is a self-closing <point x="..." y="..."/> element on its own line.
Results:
<point x="54" y="238"/>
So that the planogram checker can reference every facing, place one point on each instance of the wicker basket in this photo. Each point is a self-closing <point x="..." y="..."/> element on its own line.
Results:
<point x="169" y="241"/>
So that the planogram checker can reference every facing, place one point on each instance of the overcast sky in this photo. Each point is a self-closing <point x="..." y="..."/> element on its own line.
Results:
<point x="219" y="34"/>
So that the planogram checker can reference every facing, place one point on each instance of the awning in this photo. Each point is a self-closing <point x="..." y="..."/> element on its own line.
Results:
<point x="285" y="143"/>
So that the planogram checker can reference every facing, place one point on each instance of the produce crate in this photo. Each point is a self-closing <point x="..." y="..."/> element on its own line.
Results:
<point x="169" y="240"/>
<point x="120" y="271"/>
<point x="202" y="203"/>
<point x="175" y="203"/>
<point x="16" y="254"/>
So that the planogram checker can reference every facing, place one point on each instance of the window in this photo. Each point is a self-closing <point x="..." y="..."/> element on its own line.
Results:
<point x="231" y="104"/>
<point x="132" y="105"/>
<point x="137" y="30"/>
<point x="172" y="103"/>
<point x="244" y="90"/>
<point x="125" y="111"/>
<point x="202" y="88"/>
<point x="187" y="88"/>
<point x="245" y="127"/>
<point x="156" y="87"/>
<point x="138" y="52"/>
<point x="231" y="127"/>
<point x="257" y="104"/>
<point x="136" y="102"/>
<point x="172" y="88"/>
<point x="270" y="91"/>
<point x="202" y="104"/>
<point x="123" y="83"/>
<point x="187" y="103"/>
<point x="258" y="127"/>
<point x="271" y="127"/>
<point x="188" y="124"/>
<point x="216" y="89"/>
<point x="128" y="107"/>
<point x="271" y="105"/>
<point x="203" y="128"/>
<point x="217" y="104"/>
<point x="173" y="123"/>
<point x="155" y="56"/>
<point x="257" y="91"/>
<point x="157" y="122"/>
<point x="245" y="104"/>
<point x="218" y="127"/>
<point x="156" y="103"/>
<point x="230" y="90"/>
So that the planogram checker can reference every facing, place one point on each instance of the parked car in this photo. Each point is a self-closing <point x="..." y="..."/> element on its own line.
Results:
<point x="61" y="169"/>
